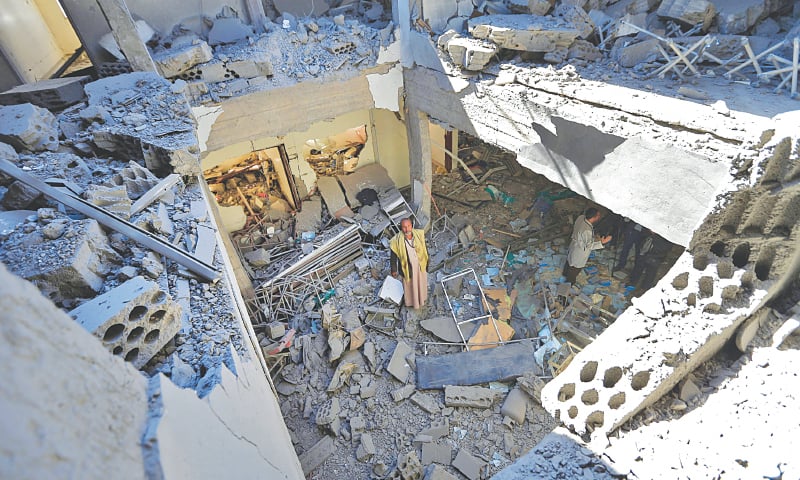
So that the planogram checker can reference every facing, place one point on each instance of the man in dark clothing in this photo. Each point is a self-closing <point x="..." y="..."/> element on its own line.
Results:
<point x="654" y="249"/>
<point x="633" y="236"/>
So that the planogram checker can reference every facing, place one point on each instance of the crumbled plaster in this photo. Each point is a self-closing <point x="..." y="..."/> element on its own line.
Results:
<point x="386" y="88"/>
<point x="205" y="117"/>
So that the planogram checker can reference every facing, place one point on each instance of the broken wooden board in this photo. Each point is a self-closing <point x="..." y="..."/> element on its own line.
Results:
<point x="477" y="366"/>
<point x="503" y="300"/>
<point x="486" y="335"/>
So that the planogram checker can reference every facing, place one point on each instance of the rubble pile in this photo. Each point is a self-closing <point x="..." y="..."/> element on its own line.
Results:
<point x="372" y="387"/>
<point x="746" y="41"/>
<point x="224" y="57"/>
<point x="113" y="144"/>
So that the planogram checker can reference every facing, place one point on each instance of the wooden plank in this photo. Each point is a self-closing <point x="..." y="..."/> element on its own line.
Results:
<point x="124" y="31"/>
<point x="476" y="366"/>
<point x="155" y="193"/>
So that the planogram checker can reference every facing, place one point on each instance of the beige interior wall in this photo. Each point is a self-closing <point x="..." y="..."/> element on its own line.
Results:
<point x="295" y="141"/>
<point x="59" y="25"/>
<point x="27" y="41"/>
<point x="392" y="145"/>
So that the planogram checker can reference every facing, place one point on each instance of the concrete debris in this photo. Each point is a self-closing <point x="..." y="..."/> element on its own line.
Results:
<point x="72" y="266"/>
<point x="258" y="258"/>
<point x="20" y="196"/>
<point x="637" y="53"/>
<point x="689" y="391"/>
<point x="468" y="53"/>
<point x="438" y="429"/>
<point x="538" y="7"/>
<point x="109" y="43"/>
<point x="328" y="412"/>
<point x="28" y="127"/>
<point x="53" y="94"/>
<point x="316" y="455"/>
<point x="469" y="465"/>
<point x="426" y="402"/>
<point x="134" y="320"/>
<point x="438" y="453"/>
<point x="524" y="32"/>
<point x="137" y="180"/>
<point x="515" y="405"/>
<point x="228" y="30"/>
<point x="740" y="16"/>
<point x="577" y="17"/>
<point x="392" y="290"/>
<point x="442" y="327"/>
<point x="366" y="450"/>
<point x="113" y="199"/>
<point x="691" y="12"/>
<point x="398" y="365"/>
<point x="472" y="397"/>
<point x="310" y="218"/>
<point x="409" y="466"/>
<point x="532" y="385"/>
<point x="403" y="392"/>
<point x="436" y="472"/>
<point x="175" y="61"/>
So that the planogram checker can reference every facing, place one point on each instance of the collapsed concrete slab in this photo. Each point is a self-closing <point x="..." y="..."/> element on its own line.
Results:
<point x="740" y="16"/>
<point x="372" y="176"/>
<point x="134" y="320"/>
<point x="738" y="254"/>
<point x="28" y="127"/>
<point x="52" y="94"/>
<point x="469" y="53"/>
<point x="690" y="12"/>
<point x="524" y="32"/>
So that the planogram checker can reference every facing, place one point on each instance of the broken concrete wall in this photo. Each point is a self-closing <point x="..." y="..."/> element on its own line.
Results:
<point x="69" y="407"/>
<point x="53" y="362"/>
<point x="163" y="16"/>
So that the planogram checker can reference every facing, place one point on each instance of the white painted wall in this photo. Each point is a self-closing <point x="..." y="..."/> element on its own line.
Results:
<point x="26" y="40"/>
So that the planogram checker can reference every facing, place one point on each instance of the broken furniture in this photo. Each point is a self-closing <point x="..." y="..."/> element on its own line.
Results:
<point x="483" y="308"/>
<point x="282" y="296"/>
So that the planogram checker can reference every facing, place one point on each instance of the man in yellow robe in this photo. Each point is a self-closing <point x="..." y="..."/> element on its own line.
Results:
<point x="410" y="260"/>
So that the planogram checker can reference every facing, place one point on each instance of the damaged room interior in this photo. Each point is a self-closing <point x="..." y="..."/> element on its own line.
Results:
<point x="399" y="239"/>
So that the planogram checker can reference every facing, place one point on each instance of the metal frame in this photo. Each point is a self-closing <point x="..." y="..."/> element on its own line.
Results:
<point x="484" y="305"/>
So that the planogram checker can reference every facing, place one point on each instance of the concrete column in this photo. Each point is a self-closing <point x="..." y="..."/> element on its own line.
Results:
<point x="419" y="150"/>
<point x="124" y="30"/>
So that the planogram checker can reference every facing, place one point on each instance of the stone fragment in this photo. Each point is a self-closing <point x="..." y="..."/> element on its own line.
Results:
<point x="578" y="18"/>
<point x="28" y="127"/>
<point x="473" y="397"/>
<point x="740" y="16"/>
<point x="438" y="429"/>
<point x="398" y="365"/>
<point x="309" y="219"/>
<point x="409" y="465"/>
<point x="275" y="330"/>
<point x="434" y="452"/>
<point x="426" y="402"/>
<point x="539" y="7"/>
<point x="689" y="391"/>
<point x="366" y="449"/>
<point x="316" y="455"/>
<point x="636" y="53"/>
<point x="524" y="32"/>
<point x="114" y="200"/>
<point x="137" y="180"/>
<point x="584" y="50"/>
<point x="53" y="94"/>
<point x="515" y="405"/>
<point x="54" y="230"/>
<point x="228" y="30"/>
<point x="177" y="60"/>
<point x="690" y="12"/>
<point x="403" y="392"/>
<point x="257" y="258"/>
<point x="678" y="405"/>
<point x="470" y="53"/>
<point x="328" y="412"/>
<point x="532" y="385"/>
<point x="71" y="266"/>
<point x="435" y="472"/>
<point x="134" y="320"/>
<point x="469" y="465"/>
<point x="19" y="196"/>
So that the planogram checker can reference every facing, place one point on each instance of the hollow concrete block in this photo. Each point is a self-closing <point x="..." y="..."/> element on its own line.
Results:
<point x="134" y="320"/>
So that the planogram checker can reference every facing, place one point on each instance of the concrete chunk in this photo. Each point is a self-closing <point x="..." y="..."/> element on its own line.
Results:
<point x="524" y="32"/>
<point x="310" y="217"/>
<point x="739" y="16"/>
<point x="691" y="12"/>
<point x="28" y="127"/>
<point x="52" y="94"/>
<point x="516" y="405"/>
<point x="134" y="320"/>
<point x="438" y="429"/>
<point x="468" y="465"/>
<point x="316" y="455"/>
<point x="333" y="196"/>
<point x="398" y="365"/>
<point x="372" y="176"/>
<point x="228" y="30"/>
<point x="178" y="60"/>
<point x="433" y="452"/>
<point x="403" y="392"/>
<point x="474" y="397"/>
<point x="409" y="465"/>
<point x="112" y="199"/>
<point x="469" y="53"/>
<point x="426" y="402"/>
<point x="366" y="449"/>
<point x="435" y="472"/>
<point x="442" y="327"/>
